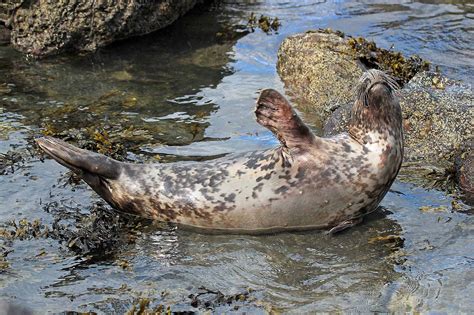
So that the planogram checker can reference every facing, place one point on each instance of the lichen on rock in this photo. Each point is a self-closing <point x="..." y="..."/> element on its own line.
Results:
<point x="319" y="70"/>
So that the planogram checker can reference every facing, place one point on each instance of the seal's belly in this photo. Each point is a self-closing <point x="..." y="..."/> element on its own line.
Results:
<point x="264" y="194"/>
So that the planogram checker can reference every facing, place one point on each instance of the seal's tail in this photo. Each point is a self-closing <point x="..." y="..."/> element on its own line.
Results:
<point x="79" y="160"/>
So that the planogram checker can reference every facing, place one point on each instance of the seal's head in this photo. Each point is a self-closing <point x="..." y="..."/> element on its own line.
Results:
<point x="376" y="108"/>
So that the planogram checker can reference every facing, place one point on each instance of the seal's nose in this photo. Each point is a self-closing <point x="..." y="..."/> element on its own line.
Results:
<point x="379" y="93"/>
<point x="380" y="88"/>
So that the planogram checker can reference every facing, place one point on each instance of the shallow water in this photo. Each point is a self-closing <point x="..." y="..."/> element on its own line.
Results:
<point x="181" y="93"/>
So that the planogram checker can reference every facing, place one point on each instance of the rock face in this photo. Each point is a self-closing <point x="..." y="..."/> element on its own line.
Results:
<point x="321" y="71"/>
<point x="438" y="119"/>
<point x="320" y="67"/>
<point x="45" y="27"/>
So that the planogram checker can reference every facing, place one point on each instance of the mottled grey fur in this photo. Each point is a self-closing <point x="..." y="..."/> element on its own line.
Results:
<point x="308" y="182"/>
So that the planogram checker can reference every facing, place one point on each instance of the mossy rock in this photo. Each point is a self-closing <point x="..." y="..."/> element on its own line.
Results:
<point x="321" y="68"/>
<point x="318" y="71"/>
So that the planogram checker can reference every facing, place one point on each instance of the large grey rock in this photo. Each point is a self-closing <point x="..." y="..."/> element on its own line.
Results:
<point x="319" y="71"/>
<point x="46" y="27"/>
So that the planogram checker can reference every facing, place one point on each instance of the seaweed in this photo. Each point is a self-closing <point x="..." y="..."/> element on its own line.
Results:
<point x="96" y="139"/>
<point x="95" y="236"/>
<point x="429" y="177"/>
<point x="267" y="24"/>
<point x="4" y="264"/>
<point x="209" y="299"/>
<point x="372" y="57"/>
<point x="10" y="162"/>
<point x="24" y="229"/>
<point x="231" y="33"/>
<point x="204" y="300"/>
<point x="18" y="230"/>
<point x="98" y="235"/>
<point x="394" y="63"/>
<point x="142" y="306"/>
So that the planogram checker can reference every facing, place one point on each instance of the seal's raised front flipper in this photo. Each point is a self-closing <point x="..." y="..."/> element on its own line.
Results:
<point x="97" y="170"/>
<point x="274" y="112"/>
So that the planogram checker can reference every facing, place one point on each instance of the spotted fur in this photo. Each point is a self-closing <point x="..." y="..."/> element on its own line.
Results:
<point x="308" y="182"/>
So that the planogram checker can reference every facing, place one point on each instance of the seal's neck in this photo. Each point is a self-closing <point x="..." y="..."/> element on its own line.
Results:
<point x="385" y="121"/>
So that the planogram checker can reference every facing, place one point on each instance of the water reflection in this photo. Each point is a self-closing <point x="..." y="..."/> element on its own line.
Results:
<point x="129" y="87"/>
<point x="298" y="271"/>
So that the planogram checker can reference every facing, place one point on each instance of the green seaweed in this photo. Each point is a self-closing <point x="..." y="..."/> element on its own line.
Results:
<point x="24" y="229"/>
<point x="95" y="236"/>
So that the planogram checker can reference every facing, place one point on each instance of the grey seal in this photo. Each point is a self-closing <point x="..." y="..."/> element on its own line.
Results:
<point x="307" y="182"/>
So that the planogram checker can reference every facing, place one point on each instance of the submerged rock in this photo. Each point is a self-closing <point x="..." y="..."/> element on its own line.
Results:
<point x="42" y="28"/>
<point x="321" y="69"/>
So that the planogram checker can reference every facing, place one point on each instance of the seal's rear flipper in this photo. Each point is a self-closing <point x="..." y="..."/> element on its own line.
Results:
<point x="79" y="160"/>
<point x="275" y="113"/>
<point x="345" y="225"/>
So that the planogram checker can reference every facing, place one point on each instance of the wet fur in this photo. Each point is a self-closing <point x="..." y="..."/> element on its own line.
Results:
<point x="308" y="182"/>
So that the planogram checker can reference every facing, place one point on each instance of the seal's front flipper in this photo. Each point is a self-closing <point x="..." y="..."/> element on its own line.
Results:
<point x="80" y="160"/>
<point x="275" y="113"/>
<point x="345" y="225"/>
